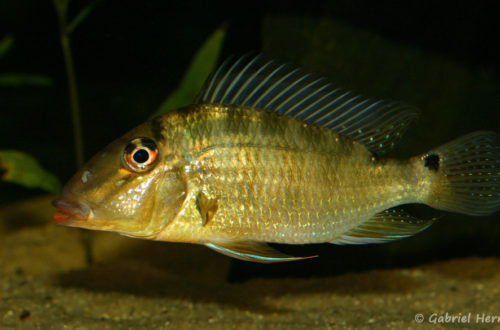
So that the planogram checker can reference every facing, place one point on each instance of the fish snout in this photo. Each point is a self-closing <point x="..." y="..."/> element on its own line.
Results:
<point x="70" y="210"/>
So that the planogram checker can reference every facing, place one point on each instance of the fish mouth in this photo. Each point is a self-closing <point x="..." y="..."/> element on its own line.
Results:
<point x="70" y="211"/>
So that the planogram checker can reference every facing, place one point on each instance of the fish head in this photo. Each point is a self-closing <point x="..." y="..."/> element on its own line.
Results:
<point x="132" y="187"/>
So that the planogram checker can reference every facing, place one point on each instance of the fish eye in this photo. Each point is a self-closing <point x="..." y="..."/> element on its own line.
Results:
<point x="140" y="154"/>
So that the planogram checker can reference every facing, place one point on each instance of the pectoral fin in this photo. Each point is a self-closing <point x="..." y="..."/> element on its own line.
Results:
<point x="206" y="206"/>
<point x="386" y="226"/>
<point x="252" y="251"/>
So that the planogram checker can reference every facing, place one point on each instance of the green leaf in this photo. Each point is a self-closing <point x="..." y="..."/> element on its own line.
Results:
<point x="6" y="45"/>
<point x="20" y="168"/>
<point x="81" y="16"/>
<point x="202" y="64"/>
<point x="21" y="79"/>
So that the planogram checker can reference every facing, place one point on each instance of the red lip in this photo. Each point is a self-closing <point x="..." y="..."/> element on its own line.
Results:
<point x="70" y="210"/>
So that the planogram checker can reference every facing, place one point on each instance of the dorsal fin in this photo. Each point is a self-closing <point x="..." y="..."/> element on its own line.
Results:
<point x="279" y="88"/>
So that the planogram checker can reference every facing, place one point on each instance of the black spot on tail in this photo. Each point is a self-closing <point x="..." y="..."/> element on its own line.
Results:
<point x="431" y="161"/>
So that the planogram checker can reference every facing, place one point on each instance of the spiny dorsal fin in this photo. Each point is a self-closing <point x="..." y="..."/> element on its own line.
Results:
<point x="252" y="251"/>
<point x="282" y="89"/>
<point x="386" y="226"/>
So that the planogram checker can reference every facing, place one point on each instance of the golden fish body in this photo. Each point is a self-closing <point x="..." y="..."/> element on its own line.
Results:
<point x="268" y="154"/>
<point x="274" y="179"/>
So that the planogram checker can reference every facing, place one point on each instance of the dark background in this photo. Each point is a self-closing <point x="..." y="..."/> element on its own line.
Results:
<point x="130" y="54"/>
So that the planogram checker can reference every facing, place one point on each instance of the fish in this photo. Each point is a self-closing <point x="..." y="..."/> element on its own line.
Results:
<point x="268" y="153"/>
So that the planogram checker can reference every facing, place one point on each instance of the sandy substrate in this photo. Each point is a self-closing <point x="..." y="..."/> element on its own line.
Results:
<point x="45" y="283"/>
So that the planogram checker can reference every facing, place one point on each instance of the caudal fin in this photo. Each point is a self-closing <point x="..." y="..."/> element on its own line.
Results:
<point x="468" y="174"/>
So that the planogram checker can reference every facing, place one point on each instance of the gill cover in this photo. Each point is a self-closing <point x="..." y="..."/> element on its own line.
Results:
<point x="129" y="186"/>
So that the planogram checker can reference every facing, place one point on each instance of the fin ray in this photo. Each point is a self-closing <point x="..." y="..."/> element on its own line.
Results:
<point x="469" y="174"/>
<point x="386" y="226"/>
<point x="252" y="251"/>
<point x="207" y="207"/>
<point x="279" y="88"/>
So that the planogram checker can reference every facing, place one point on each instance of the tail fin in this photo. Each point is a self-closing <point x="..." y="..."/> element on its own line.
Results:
<point x="468" y="171"/>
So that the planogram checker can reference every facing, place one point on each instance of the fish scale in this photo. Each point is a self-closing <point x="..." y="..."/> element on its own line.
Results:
<point x="292" y="184"/>
<point x="268" y="153"/>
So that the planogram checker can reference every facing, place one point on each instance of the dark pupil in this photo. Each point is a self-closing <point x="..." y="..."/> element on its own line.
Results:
<point x="140" y="156"/>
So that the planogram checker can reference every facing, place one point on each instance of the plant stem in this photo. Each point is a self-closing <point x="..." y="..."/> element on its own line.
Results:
<point x="61" y="7"/>
<point x="85" y="236"/>
<point x="73" y="97"/>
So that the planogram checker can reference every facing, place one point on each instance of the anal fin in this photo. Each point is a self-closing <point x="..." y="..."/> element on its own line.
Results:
<point x="386" y="226"/>
<point x="252" y="251"/>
